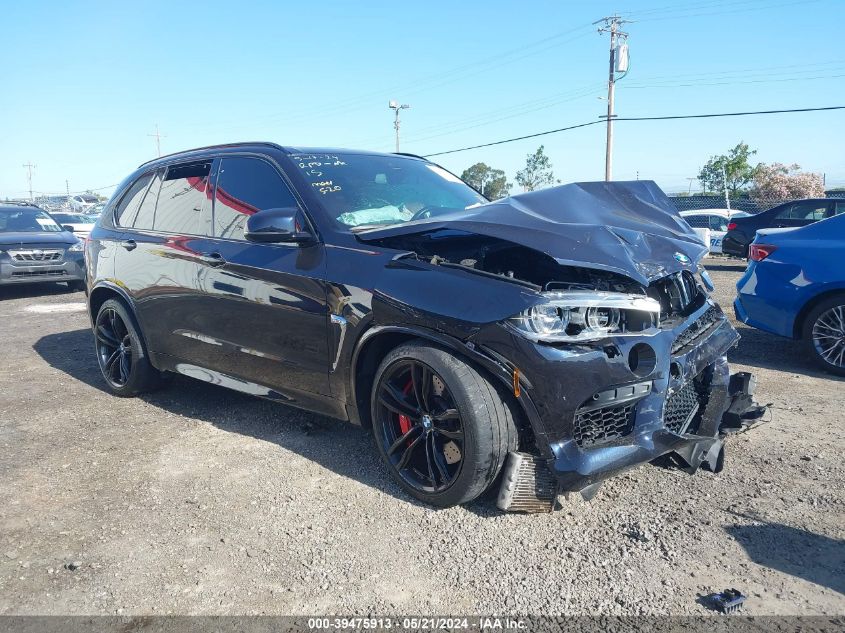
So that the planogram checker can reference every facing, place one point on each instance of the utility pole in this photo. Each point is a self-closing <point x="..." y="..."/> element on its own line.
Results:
<point x="157" y="137"/>
<point x="67" y="187"/>
<point x="394" y="105"/>
<point x="619" y="38"/>
<point x="725" y="186"/>
<point x="691" y="180"/>
<point x="29" y="167"/>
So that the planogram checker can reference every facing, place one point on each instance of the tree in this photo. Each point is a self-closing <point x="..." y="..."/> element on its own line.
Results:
<point x="785" y="182"/>
<point x="738" y="170"/>
<point x="537" y="173"/>
<point x="492" y="183"/>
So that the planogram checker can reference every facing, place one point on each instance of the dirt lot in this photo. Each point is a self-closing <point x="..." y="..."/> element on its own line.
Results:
<point x="200" y="500"/>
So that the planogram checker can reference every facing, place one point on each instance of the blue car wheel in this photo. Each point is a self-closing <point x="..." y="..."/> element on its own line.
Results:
<point x="824" y="334"/>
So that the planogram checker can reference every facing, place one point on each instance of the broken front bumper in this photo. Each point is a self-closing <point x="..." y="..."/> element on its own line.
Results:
<point x="604" y="409"/>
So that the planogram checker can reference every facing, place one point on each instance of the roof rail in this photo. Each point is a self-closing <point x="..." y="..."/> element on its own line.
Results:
<point x="219" y="146"/>
<point x="411" y="155"/>
<point x="19" y="203"/>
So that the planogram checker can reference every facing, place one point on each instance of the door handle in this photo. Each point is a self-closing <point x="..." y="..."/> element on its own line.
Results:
<point x="129" y="245"/>
<point x="212" y="259"/>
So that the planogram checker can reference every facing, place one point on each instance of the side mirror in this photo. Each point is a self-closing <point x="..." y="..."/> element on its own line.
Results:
<point x="68" y="228"/>
<point x="276" y="225"/>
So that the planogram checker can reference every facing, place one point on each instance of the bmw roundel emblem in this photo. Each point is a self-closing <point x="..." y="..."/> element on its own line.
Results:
<point x="682" y="258"/>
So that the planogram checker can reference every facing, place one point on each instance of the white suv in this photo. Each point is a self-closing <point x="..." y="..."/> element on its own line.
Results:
<point x="82" y="202"/>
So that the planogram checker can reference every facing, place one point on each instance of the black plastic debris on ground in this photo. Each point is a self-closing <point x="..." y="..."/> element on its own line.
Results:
<point x="728" y="601"/>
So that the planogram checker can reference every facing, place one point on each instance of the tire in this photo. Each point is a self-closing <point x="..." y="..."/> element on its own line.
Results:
<point x="483" y="433"/>
<point x="824" y="334"/>
<point x="121" y="353"/>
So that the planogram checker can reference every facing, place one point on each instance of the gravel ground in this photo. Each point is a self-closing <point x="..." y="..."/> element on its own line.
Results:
<point x="198" y="500"/>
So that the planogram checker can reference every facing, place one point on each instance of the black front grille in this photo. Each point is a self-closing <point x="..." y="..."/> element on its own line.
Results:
<point x="39" y="273"/>
<point x="677" y="293"/>
<point x="697" y="328"/>
<point x="594" y="426"/>
<point x="681" y="407"/>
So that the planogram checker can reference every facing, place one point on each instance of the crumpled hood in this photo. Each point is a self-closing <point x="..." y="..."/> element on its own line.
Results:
<point x="629" y="228"/>
<point x="58" y="238"/>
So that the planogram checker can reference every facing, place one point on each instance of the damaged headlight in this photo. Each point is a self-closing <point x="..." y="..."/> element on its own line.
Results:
<point x="585" y="315"/>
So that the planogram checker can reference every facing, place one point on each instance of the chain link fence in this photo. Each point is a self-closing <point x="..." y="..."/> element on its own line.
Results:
<point x="739" y="203"/>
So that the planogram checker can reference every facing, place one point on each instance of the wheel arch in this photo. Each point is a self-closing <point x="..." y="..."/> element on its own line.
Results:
<point x="798" y="325"/>
<point x="377" y="341"/>
<point x="105" y="291"/>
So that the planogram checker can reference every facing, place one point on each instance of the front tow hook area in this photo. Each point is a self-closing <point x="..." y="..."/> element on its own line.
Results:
<point x="743" y="412"/>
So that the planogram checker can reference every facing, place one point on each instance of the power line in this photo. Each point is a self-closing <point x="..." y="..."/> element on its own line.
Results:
<point x="645" y="118"/>
<point x="690" y="12"/>
<point x="661" y="81"/>
<point x="723" y="114"/>
<point x="510" y="140"/>
<point x="441" y="78"/>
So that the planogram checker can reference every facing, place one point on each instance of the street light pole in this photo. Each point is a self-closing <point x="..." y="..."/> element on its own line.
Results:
<point x="394" y="105"/>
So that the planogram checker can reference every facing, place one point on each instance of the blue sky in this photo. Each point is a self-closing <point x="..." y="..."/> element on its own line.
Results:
<point x="85" y="83"/>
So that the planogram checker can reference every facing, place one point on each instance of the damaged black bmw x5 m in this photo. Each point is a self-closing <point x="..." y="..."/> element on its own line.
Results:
<point x="543" y="342"/>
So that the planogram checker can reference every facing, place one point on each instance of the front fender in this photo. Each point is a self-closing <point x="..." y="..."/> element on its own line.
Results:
<point x="498" y="368"/>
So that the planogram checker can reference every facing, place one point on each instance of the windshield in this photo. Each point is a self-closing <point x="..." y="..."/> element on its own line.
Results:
<point x="362" y="191"/>
<point x="26" y="221"/>
<point x="87" y="199"/>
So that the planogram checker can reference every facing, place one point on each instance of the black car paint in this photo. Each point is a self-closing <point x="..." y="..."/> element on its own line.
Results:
<point x="738" y="239"/>
<point x="339" y="298"/>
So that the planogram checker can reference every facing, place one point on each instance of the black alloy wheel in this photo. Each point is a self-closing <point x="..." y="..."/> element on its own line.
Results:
<point x="442" y="428"/>
<point x="422" y="432"/>
<point x="121" y="354"/>
<point x="114" y="348"/>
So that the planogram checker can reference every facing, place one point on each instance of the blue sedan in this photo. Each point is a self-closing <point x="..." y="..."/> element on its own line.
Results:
<point x="795" y="287"/>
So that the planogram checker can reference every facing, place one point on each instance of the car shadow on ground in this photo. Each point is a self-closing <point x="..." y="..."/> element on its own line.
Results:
<point x="813" y="557"/>
<point x="341" y="447"/>
<point x="757" y="348"/>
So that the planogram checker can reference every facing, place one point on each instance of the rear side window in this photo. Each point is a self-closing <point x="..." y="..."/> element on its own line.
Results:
<point x="244" y="187"/>
<point x="839" y="207"/>
<point x="718" y="223"/>
<point x="126" y="211"/>
<point x="183" y="202"/>
<point x="146" y="212"/>
<point x="804" y="211"/>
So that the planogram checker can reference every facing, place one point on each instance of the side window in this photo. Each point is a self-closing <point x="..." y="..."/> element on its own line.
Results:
<point x="127" y="209"/>
<point x="718" y="223"/>
<point x="697" y="221"/>
<point x="183" y="202"/>
<point x="146" y="212"/>
<point x="838" y="207"/>
<point x="786" y="212"/>
<point x="804" y="211"/>
<point x="246" y="186"/>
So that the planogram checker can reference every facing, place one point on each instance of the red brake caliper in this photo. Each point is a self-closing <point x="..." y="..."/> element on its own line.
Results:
<point x="404" y="420"/>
